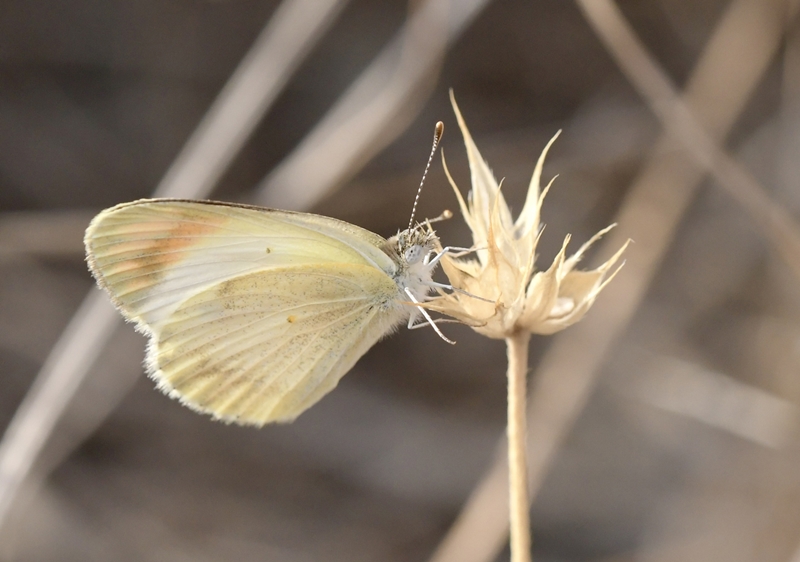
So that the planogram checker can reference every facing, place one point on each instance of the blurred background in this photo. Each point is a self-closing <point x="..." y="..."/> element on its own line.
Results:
<point x="663" y="428"/>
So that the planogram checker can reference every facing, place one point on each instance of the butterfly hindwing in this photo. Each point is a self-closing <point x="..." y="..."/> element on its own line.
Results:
<point x="265" y="346"/>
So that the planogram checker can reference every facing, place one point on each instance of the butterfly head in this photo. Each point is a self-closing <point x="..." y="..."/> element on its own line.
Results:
<point x="414" y="244"/>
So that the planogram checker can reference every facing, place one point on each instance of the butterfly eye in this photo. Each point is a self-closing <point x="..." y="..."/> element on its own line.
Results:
<point x="414" y="253"/>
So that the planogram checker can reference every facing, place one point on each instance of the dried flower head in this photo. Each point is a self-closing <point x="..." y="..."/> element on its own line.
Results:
<point x="517" y="297"/>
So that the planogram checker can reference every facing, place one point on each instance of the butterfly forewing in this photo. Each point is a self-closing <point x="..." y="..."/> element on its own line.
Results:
<point x="151" y="255"/>
<point x="253" y="314"/>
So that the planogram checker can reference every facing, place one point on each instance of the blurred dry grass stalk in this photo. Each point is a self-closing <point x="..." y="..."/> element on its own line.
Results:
<point x="369" y="115"/>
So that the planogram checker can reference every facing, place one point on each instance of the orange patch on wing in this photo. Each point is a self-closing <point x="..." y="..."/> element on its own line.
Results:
<point x="136" y="257"/>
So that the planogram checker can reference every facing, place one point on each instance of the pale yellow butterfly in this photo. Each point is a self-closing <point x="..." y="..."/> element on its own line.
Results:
<point x="254" y="314"/>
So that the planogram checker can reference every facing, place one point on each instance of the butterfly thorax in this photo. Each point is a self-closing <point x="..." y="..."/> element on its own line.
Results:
<point x="410" y="249"/>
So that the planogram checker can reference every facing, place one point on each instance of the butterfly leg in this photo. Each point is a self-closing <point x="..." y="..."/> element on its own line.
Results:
<point x="435" y="321"/>
<point x="456" y="290"/>
<point x="455" y="251"/>
<point x="427" y="316"/>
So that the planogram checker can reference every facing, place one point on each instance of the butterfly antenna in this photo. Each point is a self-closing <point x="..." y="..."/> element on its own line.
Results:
<point x="437" y="136"/>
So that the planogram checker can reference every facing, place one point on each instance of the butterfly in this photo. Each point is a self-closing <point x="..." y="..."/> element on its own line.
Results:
<point x="254" y="314"/>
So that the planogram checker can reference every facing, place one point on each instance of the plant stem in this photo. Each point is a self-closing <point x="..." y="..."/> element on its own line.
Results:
<point x="519" y="515"/>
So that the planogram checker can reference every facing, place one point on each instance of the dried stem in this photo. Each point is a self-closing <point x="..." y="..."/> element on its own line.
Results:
<point x="519" y="510"/>
<point x="651" y="212"/>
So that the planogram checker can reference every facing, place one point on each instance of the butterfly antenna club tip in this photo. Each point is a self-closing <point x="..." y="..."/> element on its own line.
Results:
<point x="437" y="136"/>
